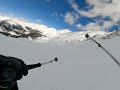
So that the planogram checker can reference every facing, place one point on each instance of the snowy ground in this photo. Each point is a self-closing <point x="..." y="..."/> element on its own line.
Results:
<point x="81" y="66"/>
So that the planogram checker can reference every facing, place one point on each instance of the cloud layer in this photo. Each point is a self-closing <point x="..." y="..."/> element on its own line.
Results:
<point x="106" y="14"/>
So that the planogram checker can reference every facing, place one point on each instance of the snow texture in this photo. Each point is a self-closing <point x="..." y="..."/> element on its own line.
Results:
<point x="81" y="66"/>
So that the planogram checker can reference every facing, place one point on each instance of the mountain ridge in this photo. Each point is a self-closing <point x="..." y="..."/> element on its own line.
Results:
<point x="18" y="28"/>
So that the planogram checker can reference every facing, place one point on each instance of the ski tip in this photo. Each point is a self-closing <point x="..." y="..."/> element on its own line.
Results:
<point x="87" y="35"/>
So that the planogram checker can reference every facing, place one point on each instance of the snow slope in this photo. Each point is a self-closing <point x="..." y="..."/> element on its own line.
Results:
<point x="78" y="36"/>
<point x="81" y="66"/>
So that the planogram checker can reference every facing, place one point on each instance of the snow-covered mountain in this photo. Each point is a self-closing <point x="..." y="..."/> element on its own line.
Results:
<point x="112" y="34"/>
<point x="16" y="28"/>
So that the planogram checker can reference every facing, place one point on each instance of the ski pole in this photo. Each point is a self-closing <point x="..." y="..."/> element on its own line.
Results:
<point x="99" y="45"/>
<point x="32" y="66"/>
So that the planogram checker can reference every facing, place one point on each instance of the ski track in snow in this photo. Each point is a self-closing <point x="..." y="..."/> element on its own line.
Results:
<point x="81" y="66"/>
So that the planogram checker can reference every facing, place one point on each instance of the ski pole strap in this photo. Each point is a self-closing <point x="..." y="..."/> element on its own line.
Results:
<point x="3" y="87"/>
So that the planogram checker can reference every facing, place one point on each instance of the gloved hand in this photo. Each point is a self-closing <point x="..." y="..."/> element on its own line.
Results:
<point x="17" y="64"/>
<point x="21" y="68"/>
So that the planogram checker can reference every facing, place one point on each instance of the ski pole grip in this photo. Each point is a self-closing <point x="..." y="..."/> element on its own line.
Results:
<point x="32" y="66"/>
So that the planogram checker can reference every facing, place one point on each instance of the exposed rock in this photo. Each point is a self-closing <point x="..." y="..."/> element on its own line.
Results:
<point x="8" y="26"/>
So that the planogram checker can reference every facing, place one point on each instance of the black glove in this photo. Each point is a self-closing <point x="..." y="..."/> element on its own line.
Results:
<point x="15" y="63"/>
<point x="21" y="70"/>
<point x="24" y="68"/>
